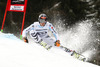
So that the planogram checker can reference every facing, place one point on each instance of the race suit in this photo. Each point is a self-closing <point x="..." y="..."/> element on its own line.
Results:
<point x="39" y="33"/>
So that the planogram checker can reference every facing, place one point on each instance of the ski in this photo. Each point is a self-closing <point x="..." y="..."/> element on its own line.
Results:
<point x="79" y="56"/>
<point x="48" y="47"/>
<point x="71" y="52"/>
<point x="74" y="54"/>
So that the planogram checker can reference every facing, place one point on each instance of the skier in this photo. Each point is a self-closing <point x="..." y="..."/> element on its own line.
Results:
<point x="39" y="32"/>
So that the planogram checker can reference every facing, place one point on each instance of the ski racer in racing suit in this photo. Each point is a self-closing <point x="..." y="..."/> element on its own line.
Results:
<point x="39" y="32"/>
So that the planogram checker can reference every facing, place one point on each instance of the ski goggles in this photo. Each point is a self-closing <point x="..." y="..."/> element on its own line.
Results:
<point x="43" y="20"/>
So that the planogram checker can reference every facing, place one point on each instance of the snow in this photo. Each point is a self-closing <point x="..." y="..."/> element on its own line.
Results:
<point x="16" y="53"/>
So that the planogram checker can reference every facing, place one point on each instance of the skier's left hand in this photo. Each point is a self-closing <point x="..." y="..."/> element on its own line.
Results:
<point x="57" y="43"/>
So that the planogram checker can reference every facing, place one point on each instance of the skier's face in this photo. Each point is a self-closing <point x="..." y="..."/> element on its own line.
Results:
<point x="42" y="21"/>
<point x="42" y="24"/>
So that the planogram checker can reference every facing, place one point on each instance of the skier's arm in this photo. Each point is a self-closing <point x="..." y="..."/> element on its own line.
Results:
<point x="25" y="31"/>
<point x="55" y="34"/>
<point x="52" y="29"/>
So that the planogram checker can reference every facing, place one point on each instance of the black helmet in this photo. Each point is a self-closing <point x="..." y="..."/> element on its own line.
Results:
<point x="42" y="18"/>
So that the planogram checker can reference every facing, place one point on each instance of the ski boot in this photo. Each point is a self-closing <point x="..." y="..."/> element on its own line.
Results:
<point x="42" y="43"/>
<point x="67" y="50"/>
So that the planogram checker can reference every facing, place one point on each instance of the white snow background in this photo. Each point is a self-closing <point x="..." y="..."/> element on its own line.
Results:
<point x="16" y="53"/>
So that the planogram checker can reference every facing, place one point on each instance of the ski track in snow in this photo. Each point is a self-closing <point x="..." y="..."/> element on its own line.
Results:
<point x="16" y="53"/>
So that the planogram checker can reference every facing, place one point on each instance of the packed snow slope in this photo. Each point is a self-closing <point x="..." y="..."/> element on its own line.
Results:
<point x="16" y="53"/>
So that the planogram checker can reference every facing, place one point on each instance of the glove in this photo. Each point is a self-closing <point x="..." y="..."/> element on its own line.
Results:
<point x="25" y="39"/>
<point x="57" y="43"/>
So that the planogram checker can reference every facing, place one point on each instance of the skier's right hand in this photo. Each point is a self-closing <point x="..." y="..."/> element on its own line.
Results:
<point x="25" y="39"/>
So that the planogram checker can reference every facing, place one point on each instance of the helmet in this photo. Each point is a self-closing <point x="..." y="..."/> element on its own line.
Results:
<point x="42" y="18"/>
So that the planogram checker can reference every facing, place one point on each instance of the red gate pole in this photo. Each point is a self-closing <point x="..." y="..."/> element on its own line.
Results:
<point x="22" y="24"/>
<point x="4" y="18"/>
<point x="23" y="19"/>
